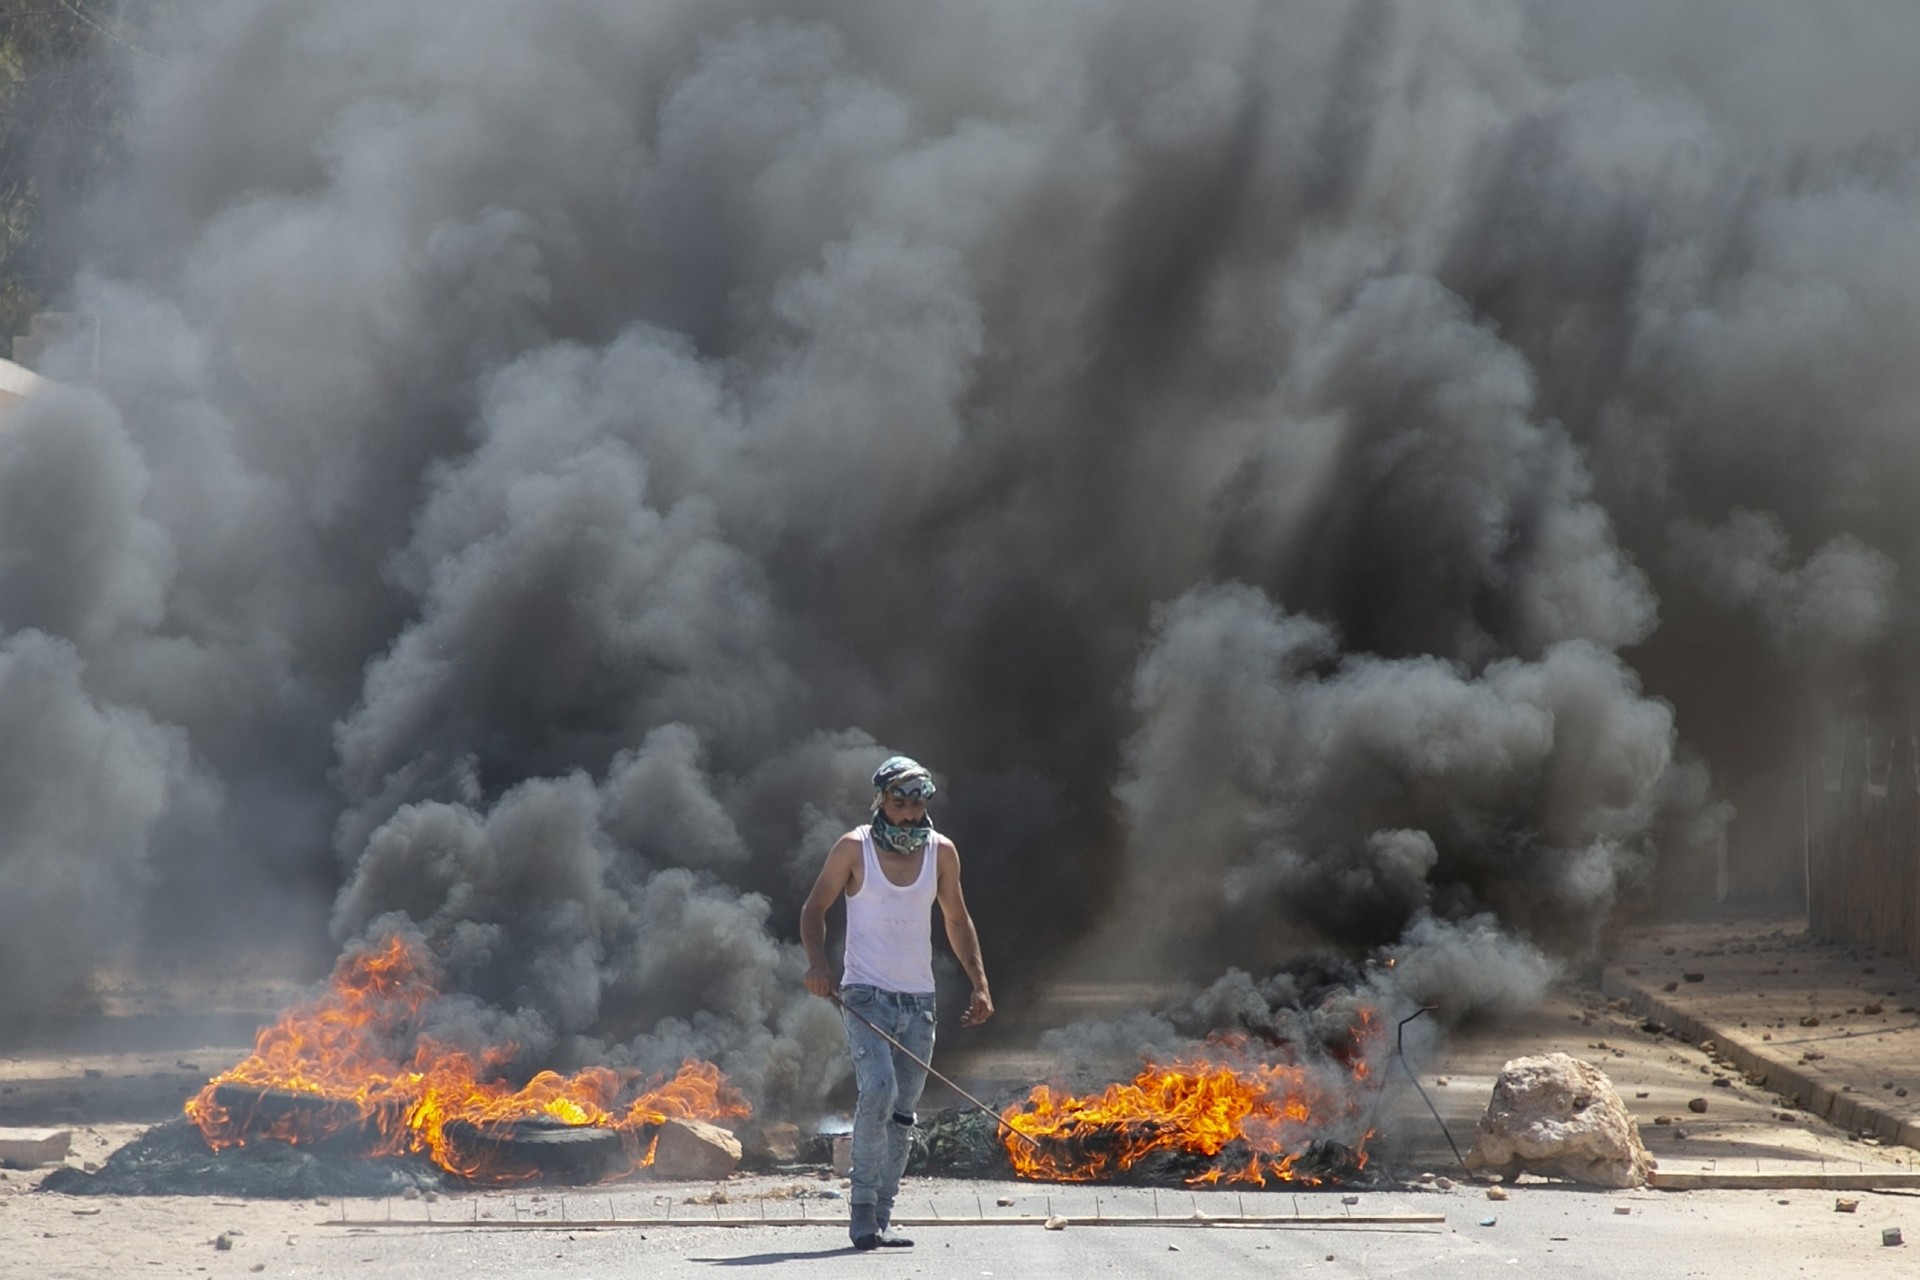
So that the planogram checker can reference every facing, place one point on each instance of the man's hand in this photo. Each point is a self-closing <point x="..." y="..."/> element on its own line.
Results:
<point x="979" y="1009"/>
<point x="820" y="982"/>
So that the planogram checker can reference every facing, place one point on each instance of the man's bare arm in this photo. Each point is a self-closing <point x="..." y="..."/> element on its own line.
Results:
<point x="962" y="936"/>
<point x="835" y="875"/>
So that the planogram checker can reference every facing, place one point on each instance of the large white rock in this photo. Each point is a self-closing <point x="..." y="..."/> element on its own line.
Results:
<point x="1560" y="1117"/>
<point x="694" y="1150"/>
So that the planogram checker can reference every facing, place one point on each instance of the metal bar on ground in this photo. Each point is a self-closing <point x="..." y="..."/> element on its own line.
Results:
<point x="1810" y="1180"/>
<point x="1229" y="1220"/>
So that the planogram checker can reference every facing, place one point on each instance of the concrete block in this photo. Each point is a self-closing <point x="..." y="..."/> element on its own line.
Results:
<point x="28" y="1148"/>
<point x="1909" y="1135"/>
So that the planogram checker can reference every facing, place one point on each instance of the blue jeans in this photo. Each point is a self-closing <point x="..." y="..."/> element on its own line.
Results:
<point x="889" y="1086"/>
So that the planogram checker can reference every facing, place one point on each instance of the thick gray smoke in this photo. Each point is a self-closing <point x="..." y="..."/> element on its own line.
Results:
<point x="1370" y="476"/>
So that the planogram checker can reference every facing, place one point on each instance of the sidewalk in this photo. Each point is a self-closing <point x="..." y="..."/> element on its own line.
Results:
<point x="1832" y="1030"/>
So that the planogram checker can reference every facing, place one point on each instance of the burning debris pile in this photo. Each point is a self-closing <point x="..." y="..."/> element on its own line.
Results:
<point x="351" y="1074"/>
<point x="1288" y="1097"/>
<point x="1226" y="1114"/>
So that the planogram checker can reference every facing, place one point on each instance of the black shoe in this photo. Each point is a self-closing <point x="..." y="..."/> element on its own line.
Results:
<point x="864" y="1243"/>
<point x="891" y="1239"/>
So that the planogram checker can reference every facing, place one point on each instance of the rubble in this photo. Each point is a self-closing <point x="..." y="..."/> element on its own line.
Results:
<point x="1556" y="1116"/>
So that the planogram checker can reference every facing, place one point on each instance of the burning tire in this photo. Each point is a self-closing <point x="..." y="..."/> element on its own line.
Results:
<point x="547" y="1151"/>
<point x="243" y="1114"/>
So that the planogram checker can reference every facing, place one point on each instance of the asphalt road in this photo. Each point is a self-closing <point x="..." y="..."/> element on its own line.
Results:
<point x="1540" y="1231"/>
<point x="1543" y="1229"/>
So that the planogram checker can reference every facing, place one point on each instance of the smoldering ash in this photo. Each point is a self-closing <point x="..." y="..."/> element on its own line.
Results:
<point x="1371" y="477"/>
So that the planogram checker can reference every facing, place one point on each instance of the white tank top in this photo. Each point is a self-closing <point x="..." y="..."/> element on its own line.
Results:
<point x="890" y="926"/>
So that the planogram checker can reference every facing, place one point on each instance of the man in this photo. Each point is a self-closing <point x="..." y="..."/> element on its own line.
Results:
<point x="891" y="871"/>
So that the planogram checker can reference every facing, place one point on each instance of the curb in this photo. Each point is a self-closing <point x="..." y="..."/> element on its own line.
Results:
<point x="1810" y="1089"/>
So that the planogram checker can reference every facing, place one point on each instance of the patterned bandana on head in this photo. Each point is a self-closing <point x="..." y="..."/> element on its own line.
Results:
<point x="904" y="779"/>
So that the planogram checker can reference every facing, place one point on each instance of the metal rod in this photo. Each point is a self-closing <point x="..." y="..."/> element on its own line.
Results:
<point x="1400" y="1052"/>
<point x="1376" y="1220"/>
<point x="928" y="1067"/>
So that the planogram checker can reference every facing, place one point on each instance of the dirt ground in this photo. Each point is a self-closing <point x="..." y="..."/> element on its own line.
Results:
<point x="110" y="1074"/>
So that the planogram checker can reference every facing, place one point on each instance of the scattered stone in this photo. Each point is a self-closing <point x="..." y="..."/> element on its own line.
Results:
<point x="1498" y="1193"/>
<point x="1697" y="1105"/>
<point x="1439" y="1082"/>
<point x="1901" y="1092"/>
<point x="1445" y="1184"/>
<point x="1844" y="1205"/>
<point x="222" y="1242"/>
<point x="1623" y="1209"/>
<point x="1642" y="1093"/>
<point x="1557" y="1116"/>
<point x="1810" y="1021"/>
<point x="29" y="1148"/>
<point x="1721" y="1082"/>
<point x="1694" y="977"/>
<point x="1890" y="1235"/>
<point x="1671" y="986"/>
<point x="1056" y="1223"/>
<point x="694" y="1149"/>
<point x="1873" y="1008"/>
<point x="1663" y="1120"/>
<point x="1005" y="1202"/>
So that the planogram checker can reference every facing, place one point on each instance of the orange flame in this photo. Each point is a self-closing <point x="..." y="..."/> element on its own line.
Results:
<point x="340" y="1061"/>
<point x="1260" y="1117"/>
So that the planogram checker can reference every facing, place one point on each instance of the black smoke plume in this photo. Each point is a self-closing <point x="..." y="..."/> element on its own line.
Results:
<point x="1370" y="476"/>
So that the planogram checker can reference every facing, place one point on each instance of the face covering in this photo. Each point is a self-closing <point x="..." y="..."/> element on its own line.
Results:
<point x="905" y="779"/>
